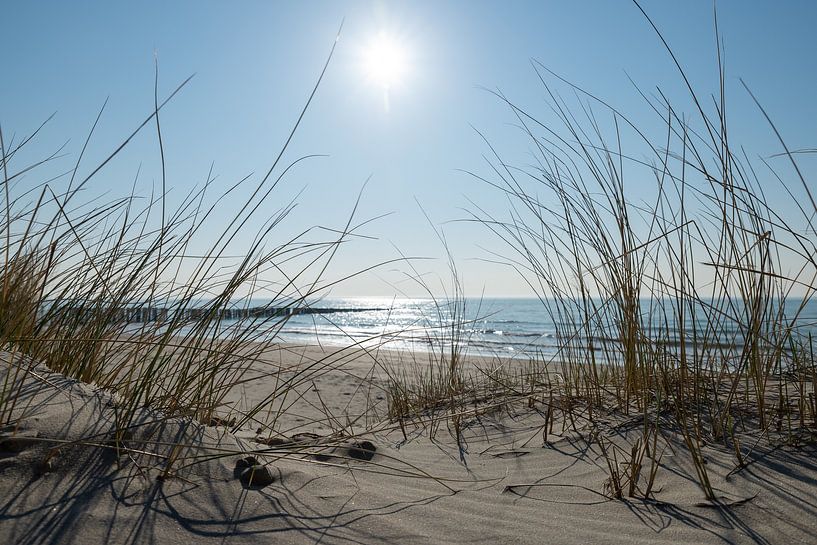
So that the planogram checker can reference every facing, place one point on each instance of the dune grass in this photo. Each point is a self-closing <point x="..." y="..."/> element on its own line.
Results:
<point x="680" y="303"/>
<point x="678" y="306"/>
<point x="145" y="296"/>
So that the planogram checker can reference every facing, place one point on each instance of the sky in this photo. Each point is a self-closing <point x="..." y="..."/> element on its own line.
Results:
<point x="414" y="140"/>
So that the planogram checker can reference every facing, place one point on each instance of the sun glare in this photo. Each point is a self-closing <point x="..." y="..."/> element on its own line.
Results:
<point x="385" y="61"/>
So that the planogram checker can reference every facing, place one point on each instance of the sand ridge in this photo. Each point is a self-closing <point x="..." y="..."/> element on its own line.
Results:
<point x="502" y="484"/>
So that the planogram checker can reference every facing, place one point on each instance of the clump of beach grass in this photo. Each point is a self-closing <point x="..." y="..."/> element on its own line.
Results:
<point x="433" y="380"/>
<point x="679" y="304"/>
<point x="148" y="299"/>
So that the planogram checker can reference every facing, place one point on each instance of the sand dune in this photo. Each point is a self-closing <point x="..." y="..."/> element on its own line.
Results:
<point x="62" y="482"/>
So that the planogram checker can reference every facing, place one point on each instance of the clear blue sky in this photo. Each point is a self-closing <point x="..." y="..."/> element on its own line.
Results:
<point x="255" y="63"/>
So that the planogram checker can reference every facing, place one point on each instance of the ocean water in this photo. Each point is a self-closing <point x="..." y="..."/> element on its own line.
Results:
<point x="506" y="327"/>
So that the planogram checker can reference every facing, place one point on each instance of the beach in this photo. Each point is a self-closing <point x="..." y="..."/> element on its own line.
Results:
<point x="408" y="272"/>
<point x="502" y="482"/>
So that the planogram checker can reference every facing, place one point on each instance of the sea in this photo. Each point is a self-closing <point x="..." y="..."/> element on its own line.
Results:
<point x="508" y="327"/>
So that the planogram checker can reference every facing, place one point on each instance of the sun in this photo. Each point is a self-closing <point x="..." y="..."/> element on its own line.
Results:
<point x="385" y="61"/>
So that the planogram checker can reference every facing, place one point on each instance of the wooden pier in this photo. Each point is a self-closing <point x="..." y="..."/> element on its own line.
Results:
<point x="144" y="314"/>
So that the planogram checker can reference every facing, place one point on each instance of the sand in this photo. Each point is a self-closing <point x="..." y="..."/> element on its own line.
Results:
<point x="61" y="481"/>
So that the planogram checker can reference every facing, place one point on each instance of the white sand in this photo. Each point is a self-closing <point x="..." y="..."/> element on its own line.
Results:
<point x="512" y="488"/>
